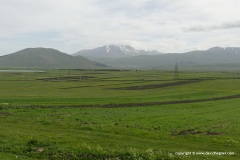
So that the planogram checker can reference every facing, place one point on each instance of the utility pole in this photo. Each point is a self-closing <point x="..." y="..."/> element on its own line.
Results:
<point x="176" y="72"/>
<point x="68" y="73"/>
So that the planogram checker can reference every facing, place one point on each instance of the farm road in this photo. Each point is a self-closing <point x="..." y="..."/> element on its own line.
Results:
<point x="121" y="105"/>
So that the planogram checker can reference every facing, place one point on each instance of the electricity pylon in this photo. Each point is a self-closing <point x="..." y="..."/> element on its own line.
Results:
<point x="176" y="72"/>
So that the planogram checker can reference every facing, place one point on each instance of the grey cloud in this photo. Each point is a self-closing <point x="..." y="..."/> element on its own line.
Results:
<point x="213" y="27"/>
<point x="77" y="24"/>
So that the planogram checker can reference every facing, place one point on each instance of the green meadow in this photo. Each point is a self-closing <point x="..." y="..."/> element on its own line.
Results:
<point x="119" y="114"/>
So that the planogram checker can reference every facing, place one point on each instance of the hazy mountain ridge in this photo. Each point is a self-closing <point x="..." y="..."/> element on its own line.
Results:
<point x="212" y="56"/>
<point x="46" y="58"/>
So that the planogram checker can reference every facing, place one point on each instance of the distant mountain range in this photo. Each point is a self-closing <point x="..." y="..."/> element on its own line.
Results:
<point x="212" y="56"/>
<point x="114" y="56"/>
<point x="46" y="58"/>
<point x="114" y="51"/>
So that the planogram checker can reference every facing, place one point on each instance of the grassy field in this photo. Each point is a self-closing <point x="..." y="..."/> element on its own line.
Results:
<point x="87" y="114"/>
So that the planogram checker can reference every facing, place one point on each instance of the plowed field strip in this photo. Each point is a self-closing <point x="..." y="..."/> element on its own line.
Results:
<point x="163" y="85"/>
<point x="141" y="104"/>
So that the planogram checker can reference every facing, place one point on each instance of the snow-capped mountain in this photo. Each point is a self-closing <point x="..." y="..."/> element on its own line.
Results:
<point x="227" y="51"/>
<point x="113" y="51"/>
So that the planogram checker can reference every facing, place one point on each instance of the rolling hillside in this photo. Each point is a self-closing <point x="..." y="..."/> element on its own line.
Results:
<point x="46" y="58"/>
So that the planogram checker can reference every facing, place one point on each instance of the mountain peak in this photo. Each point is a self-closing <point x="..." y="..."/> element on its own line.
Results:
<point x="227" y="50"/>
<point x="110" y="51"/>
<point x="38" y="49"/>
<point x="114" y="51"/>
<point x="215" y="48"/>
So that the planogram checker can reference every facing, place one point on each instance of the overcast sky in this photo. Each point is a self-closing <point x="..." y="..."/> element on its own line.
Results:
<point x="163" y="25"/>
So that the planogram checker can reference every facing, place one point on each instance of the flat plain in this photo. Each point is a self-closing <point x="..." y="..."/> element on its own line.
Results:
<point x="119" y="114"/>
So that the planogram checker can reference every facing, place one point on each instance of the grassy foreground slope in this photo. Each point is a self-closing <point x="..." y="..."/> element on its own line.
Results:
<point x="77" y="115"/>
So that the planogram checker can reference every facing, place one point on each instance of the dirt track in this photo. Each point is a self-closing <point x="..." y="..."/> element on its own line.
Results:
<point x="170" y="102"/>
<point x="140" y="104"/>
<point x="163" y="85"/>
<point x="100" y="85"/>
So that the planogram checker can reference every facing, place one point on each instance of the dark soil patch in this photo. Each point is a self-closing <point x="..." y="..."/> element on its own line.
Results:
<point x="100" y="85"/>
<point x="194" y="132"/>
<point x="164" y="85"/>
<point x="187" y="132"/>
<point x="67" y="78"/>
<point x="96" y="73"/>
<point x="211" y="133"/>
<point x="5" y="113"/>
<point x="81" y="87"/>
<point x="88" y="123"/>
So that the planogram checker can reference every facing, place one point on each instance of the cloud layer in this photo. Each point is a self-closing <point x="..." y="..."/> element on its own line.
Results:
<point x="214" y="27"/>
<point x="164" y="25"/>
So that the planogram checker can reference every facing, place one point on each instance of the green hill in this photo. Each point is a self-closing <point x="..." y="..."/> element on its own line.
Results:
<point x="47" y="58"/>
